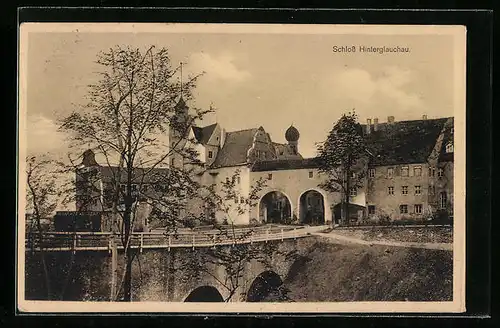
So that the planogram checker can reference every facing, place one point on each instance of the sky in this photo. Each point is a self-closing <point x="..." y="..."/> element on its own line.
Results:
<point x="269" y="80"/>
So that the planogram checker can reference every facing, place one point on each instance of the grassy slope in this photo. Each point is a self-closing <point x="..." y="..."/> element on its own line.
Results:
<point x="330" y="272"/>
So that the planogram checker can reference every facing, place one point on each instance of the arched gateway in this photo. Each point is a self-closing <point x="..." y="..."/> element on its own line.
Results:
<point x="312" y="208"/>
<point x="275" y="207"/>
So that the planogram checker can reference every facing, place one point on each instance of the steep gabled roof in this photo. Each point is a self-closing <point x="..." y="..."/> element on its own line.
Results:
<point x="235" y="148"/>
<point x="203" y="134"/>
<point x="447" y="138"/>
<point x="403" y="142"/>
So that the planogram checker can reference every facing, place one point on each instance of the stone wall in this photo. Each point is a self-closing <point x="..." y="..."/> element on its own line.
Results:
<point x="157" y="274"/>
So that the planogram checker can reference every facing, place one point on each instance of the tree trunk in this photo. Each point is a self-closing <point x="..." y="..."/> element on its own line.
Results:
<point x="127" y="282"/>
<point x="347" y="195"/>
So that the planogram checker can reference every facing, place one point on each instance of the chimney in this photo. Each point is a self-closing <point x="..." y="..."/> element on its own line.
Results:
<point x="390" y="119"/>
<point x="368" y="125"/>
<point x="375" y="124"/>
<point x="89" y="158"/>
<point x="424" y="117"/>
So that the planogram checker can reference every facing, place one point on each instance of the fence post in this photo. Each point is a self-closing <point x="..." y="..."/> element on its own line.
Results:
<point x="193" y="240"/>
<point x="295" y="233"/>
<point x="169" y="241"/>
<point x="142" y="242"/>
<point x="267" y="234"/>
<point x="74" y="243"/>
<point x="213" y="241"/>
<point x="282" y="237"/>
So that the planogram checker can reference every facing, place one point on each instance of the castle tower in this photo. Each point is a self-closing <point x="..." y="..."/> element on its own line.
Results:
<point x="178" y="133"/>
<point x="292" y="137"/>
<point x="178" y="130"/>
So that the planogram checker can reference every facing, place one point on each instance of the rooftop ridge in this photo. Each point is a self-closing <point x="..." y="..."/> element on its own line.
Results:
<point x="416" y="120"/>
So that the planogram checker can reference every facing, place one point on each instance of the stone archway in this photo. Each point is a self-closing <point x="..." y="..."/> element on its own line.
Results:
<point x="312" y="208"/>
<point x="265" y="288"/>
<point x="204" y="294"/>
<point x="275" y="207"/>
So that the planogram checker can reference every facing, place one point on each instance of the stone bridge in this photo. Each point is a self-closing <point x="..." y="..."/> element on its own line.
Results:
<point x="161" y="274"/>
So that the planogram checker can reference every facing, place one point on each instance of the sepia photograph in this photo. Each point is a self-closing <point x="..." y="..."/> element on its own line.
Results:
<point x="245" y="168"/>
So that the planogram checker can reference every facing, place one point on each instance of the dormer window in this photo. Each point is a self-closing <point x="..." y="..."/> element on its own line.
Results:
<point x="449" y="147"/>
<point x="210" y="154"/>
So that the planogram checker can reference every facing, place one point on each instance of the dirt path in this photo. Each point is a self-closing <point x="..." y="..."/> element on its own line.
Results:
<point x="346" y="240"/>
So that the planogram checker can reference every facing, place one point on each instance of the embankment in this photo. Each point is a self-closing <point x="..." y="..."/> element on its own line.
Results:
<point x="335" y="272"/>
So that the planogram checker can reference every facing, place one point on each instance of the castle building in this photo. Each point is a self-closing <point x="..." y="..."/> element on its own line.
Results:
<point x="409" y="175"/>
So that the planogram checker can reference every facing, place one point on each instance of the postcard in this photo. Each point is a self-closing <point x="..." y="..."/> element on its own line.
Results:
<point x="241" y="168"/>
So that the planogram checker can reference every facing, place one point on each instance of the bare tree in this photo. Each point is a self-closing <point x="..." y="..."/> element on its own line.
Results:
<point x="41" y="201"/>
<point x="136" y="101"/>
<point x="343" y="158"/>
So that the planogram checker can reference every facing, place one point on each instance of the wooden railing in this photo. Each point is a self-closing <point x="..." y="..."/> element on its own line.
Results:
<point x="103" y="241"/>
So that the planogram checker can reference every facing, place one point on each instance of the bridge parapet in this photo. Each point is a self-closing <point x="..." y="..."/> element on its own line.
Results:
<point x="102" y="241"/>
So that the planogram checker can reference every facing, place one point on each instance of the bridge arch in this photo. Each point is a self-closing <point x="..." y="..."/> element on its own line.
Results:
<point x="204" y="294"/>
<point x="264" y="286"/>
<point x="275" y="206"/>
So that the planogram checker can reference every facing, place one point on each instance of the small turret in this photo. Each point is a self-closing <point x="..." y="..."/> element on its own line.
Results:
<point x="89" y="158"/>
<point x="292" y="135"/>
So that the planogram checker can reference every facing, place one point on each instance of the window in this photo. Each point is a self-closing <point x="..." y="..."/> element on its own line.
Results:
<point x="390" y="172"/>
<point x="432" y="171"/>
<point x="403" y="209"/>
<point x="418" y="208"/>
<point x="443" y="200"/>
<point x="371" y="173"/>
<point x="371" y="209"/>
<point x="418" y="190"/>
<point x="238" y="180"/>
<point x="353" y="192"/>
<point x="417" y="171"/>
<point x="404" y="190"/>
<point x="210" y="154"/>
<point x="404" y="171"/>
<point x="242" y="200"/>
<point x="311" y="174"/>
<point x="449" y="148"/>
<point x="440" y="172"/>
<point x="270" y="176"/>
<point x="390" y="190"/>
<point x="236" y="199"/>
<point x="227" y="180"/>
<point x="172" y="161"/>
<point x="432" y="190"/>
